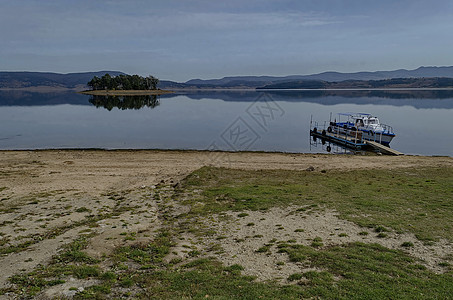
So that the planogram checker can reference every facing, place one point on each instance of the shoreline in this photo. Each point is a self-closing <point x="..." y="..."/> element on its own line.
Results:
<point x="219" y="153"/>
<point x="52" y="89"/>
<point x="125" y="92"/>
<point x="361" y="89"/>
<point x="212" y="152"/>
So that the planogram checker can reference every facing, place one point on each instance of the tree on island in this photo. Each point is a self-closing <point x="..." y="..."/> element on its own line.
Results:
<point x="123" y="82"/>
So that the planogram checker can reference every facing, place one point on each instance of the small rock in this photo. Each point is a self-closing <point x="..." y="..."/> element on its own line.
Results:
<point x="310" y="169"/>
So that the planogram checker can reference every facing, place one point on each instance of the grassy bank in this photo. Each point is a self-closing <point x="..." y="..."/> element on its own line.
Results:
<point x="407" y="200"/>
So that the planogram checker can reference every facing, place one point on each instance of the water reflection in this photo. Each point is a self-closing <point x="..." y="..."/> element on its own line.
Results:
<point x="323" y="145"/>
<point x="124" y="102"/>
<point x="418" y="99"/>
<point x="302" y="95"/>
<point x="194" y="120"/>
<point x="388" y="94"/>
<point x="26" y="98"/>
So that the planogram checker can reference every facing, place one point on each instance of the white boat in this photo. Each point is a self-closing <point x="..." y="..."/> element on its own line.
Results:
<point x="367" y="126"/>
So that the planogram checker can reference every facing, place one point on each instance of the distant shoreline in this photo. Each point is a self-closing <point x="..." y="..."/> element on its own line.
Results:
<point x="53" y="89"/>
<point x="125" y="92"/>
<point x="358" y="89"/>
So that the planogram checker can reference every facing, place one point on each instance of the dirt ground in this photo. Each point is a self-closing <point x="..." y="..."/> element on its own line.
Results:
<point x="45" y="196"/>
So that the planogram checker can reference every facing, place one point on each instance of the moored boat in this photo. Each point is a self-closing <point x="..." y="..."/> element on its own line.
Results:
<point x="364" y="126"/>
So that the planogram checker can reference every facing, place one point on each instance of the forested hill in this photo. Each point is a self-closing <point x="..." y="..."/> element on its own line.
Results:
<point x="423" y="77"/>
<point x="403" y="83"/>
<point x="55" y="80"/>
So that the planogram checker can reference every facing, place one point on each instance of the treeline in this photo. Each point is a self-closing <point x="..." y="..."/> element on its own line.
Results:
<point x="123" y="82"/>
<point x="401" y="83"/>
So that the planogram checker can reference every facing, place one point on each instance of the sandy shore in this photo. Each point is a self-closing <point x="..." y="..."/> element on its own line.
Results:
<point x="41" y="191"/>
<point x="99" y="171"/>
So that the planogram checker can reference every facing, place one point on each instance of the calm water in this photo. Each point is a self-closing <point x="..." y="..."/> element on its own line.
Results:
<point x="268" y="121"/>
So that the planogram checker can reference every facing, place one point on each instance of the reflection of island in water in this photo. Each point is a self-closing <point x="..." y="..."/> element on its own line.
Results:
<point x="419" y="99"/>
<point x="124" y="102"/>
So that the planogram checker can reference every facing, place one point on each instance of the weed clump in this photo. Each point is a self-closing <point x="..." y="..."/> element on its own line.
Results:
<point x="407" y="244"/>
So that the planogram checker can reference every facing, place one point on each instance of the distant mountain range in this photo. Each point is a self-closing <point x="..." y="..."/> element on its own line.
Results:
<point x="378" y="79"/>
<point x="327" y="77"/>
<point x="20" y="80"/>
<point x="394" y="83"/>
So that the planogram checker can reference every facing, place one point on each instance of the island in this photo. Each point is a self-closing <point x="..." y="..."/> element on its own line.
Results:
<point x="124" y="85"/>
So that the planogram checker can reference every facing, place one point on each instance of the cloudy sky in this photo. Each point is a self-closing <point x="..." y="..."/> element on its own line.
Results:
<point x="184" y="39"/>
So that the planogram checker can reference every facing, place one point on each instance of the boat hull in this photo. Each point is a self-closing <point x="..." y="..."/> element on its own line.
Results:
<point x="383" y="138"/>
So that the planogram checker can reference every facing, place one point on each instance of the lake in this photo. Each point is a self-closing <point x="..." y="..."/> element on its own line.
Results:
<point x="219" y="120"/>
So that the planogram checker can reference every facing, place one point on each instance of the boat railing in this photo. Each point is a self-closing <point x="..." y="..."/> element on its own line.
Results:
<point x="387" y="128"/>
<point x="352" y="134"/>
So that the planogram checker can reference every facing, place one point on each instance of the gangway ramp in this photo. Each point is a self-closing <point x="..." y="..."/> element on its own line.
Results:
<point x="383" y="149"/>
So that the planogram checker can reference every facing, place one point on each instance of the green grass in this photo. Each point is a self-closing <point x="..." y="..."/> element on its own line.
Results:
<point x="317" y="242"/>
<point x="82" y="209"/>
<point x="207" y="278"/>
<point x="407" y="244"/>
<point x="263" y="249"/>
<point x="74" y="253"/>
<point x="146" y="254"/>
<point x="418" y="200"/>
<point x="363" y="271"/>
<point x="413" y="200"/>
<point x="353" y="271"/>
<point x="90" y="220"/>
<point x="94" y="292"/>
<point x="71" y="262"/>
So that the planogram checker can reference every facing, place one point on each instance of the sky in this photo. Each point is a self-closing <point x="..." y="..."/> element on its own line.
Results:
<point x="185" y="39"/>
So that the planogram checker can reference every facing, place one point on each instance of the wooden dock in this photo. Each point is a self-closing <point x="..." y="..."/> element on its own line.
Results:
<point x="383" y="149"/>
<point x="354" y="142"/>
<point x="339" y="139"/>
